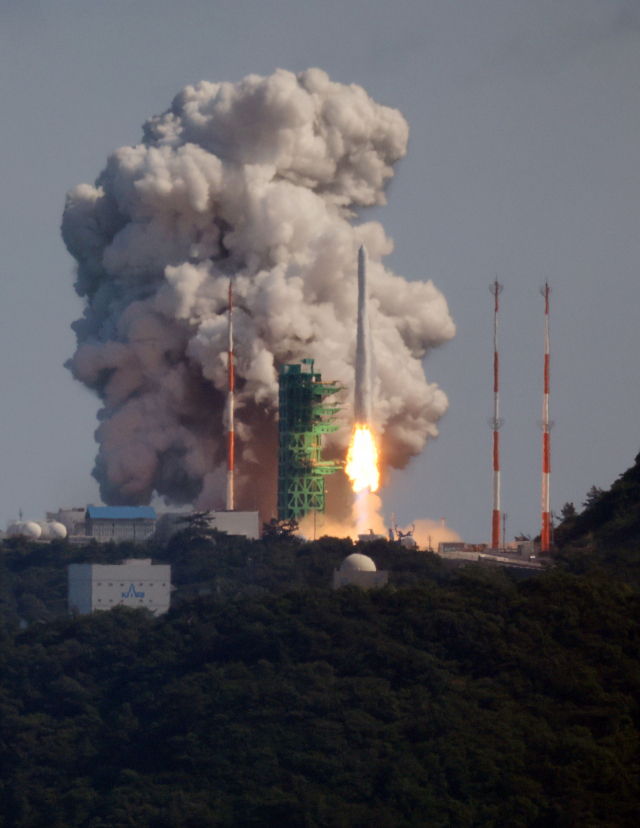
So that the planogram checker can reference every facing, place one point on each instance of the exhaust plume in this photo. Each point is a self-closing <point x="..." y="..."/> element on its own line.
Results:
<point x="366" y="515"/>
<point x="257" y="180"/>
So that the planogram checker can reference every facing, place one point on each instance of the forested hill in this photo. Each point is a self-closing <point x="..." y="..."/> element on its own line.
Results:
<point x="606" y="534"/>
<point x="454" y="699"/>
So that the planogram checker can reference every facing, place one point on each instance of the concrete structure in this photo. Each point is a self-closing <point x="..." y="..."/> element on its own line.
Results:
<point x="359" y="570"/>
<point x="245" y="524"/>
<point x="134" y="583"/>
<point x="522" y="556"/>
<point x="370" y="537"/>
<point x="72" y="519"/>
<point x="120" y="523"/>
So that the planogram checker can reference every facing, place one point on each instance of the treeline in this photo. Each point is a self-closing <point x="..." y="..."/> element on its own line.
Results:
<point x="469" y="700"/>
<point x="33" y="576"/>
<point x="453" y="698"/>
<point x="605" y="536"/>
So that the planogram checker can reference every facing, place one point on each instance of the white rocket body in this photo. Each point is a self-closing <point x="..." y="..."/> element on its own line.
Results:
<point x="363" y="407"/>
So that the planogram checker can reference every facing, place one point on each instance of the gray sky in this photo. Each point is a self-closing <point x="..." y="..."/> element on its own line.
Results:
<point x="524" y="121"/>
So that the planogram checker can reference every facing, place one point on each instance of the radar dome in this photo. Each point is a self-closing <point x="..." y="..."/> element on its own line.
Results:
<point x="30" y="529"/>
<point x="52" y="529"/>
<point x="357" y="563"/>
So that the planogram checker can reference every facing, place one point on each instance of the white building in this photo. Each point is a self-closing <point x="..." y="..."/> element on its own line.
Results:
<point x="245" y="524"/>
<point x="134" y="583"/>
<point x="120" y="523"/>
<point x="359" y="570"/>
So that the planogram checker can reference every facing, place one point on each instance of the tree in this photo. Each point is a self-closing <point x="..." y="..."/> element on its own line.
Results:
<point x="197" y="524"/>
<point x="593" y="496"/>
<point x="279" y="529"/>
<point x="568" y="511"/>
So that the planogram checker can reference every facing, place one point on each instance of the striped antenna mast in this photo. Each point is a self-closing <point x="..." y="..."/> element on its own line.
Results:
<point x="495" y="422"/>
<point x="230" y="412"/>
<point x="546" y="425"/>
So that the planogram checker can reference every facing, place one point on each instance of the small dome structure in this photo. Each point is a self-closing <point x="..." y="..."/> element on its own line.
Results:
<point x="52" y="530"/>
<point x="30" y="529"/>
<point x="357" y="563"/>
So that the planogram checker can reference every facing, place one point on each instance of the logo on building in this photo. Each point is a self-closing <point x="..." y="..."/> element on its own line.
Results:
<point x="131" y="593"/>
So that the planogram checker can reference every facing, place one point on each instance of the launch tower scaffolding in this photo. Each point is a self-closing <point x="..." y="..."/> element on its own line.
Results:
<point x="304" y="418"/>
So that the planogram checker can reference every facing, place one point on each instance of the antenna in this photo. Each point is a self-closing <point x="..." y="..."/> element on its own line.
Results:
<point x="546" y="425"/>
<point x="230" y="411"/>
<point x="495" y="422"/>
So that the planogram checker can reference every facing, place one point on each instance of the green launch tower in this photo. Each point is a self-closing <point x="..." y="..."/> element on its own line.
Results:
<point x="304" y="418"/>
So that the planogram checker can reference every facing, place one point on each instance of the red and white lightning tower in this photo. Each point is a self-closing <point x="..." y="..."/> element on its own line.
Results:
<point x="546" y="425"/>
<point x="495" y="422"/>
<point x="230" y="412"/>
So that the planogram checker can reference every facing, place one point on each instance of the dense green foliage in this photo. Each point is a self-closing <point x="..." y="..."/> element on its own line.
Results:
<point x="33" y="576"/>
<point x="454" y="698"/>
<point x="478" y="703"/>
<point x="606" y="534"/>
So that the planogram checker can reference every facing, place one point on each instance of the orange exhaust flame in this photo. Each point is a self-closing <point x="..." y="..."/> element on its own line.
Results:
<point x="362" y="460"/>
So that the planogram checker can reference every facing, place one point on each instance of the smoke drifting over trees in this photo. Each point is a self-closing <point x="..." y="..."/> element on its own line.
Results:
<point x="258" y="181"/>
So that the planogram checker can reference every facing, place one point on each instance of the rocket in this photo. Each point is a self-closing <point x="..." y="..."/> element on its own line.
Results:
<point x="362" y="457"/>
<point x="364" y="357"/>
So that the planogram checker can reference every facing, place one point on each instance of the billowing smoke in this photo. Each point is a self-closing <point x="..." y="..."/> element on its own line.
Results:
<point x="366" y="516"/>
<point x="256" y="180"/>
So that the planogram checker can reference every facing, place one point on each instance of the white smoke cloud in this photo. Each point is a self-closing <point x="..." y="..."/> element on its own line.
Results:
<point x="256" y="180"/>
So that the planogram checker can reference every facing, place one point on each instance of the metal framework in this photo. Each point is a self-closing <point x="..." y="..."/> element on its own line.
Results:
<point x="304" y="418"/>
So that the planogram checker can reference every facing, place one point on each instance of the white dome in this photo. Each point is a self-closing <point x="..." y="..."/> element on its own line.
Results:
<point x="358" y="562"/>
<point x="30" y="529"/>
<point x="52" y="530"/>
<point x="57" y="530"/>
